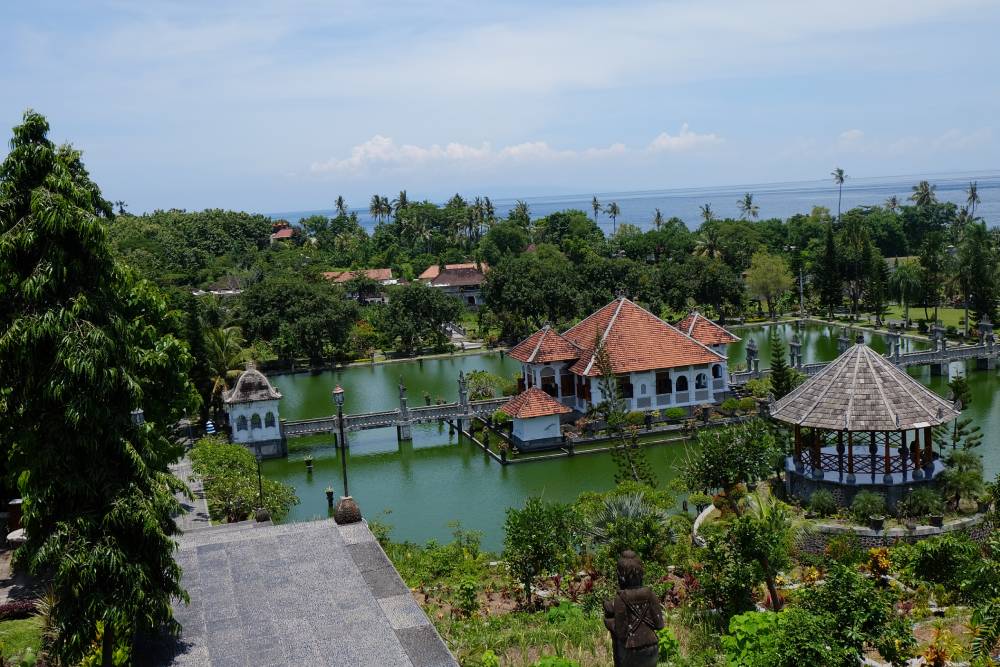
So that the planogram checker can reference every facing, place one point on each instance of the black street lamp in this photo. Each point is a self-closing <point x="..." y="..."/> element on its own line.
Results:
<point x="261" y="514"/>
<point x="347" y="510"/>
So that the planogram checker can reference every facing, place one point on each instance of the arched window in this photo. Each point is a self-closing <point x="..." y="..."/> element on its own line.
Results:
<point x="682" y="383"/>
<point x="548" y="376"/>
<point x="701" y="381"/>
<point x="716" y="371"/>
<point x="269" y="420"/>
<point x="241" y="423"/>
<point x="664" y="385"/>
<point x="255" y="422"/>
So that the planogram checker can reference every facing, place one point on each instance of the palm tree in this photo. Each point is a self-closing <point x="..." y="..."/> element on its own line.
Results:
<point x="709" y="242"/>
<point x="972" y="198"/>
<point x="892" y="203"/>
<point x="596" y="205"/>
<point x="489" y="212"/>
<point x="657" y="219"/>
<point x="400" y="202"/>
<point x="923" y="194"/>
<point x="747" y="208"/>
<point x="906" y="286"/>
<point x="521" y="211"/>
<point x="224" y="348"/>
<point x="707" y="214"/>
<point x="340" y="205"/>
<point x="962" y="477"/>
<point x="613" y="212"/>
<point x="838" y="178"/>
<point x="375" y="208"/>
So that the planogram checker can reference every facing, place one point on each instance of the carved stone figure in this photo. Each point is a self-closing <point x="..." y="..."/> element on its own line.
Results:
<point x="633" y="616"/>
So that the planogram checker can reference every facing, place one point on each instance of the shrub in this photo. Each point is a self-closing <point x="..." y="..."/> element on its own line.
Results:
<point x="17" y="609"/>
<point x="822" y="503"/>
<point x="674" y="414"/>
<point x="554" y="661"/>
<point x="564" y="612"/>
<point x="759" y="388"/>
<point x="867" y="504"/>
<point x="942" y="560"/>
<point x="730" y="405"/>
<point x="467" y="596"/>
<point x="845" y="549"/>
<point x="921" y="502"/>
<point x="635" y="418"/>
<point x="748" y="404"/>
<point x="669" y="647"/>
<point x="489" y="659"/>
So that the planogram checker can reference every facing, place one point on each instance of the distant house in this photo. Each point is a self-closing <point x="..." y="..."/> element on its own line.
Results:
<point x="462" y="281"/>
<point x="283" y="234"/>
<point x="381" y="276"/>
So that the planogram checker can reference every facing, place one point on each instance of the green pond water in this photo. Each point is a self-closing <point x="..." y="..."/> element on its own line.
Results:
<point x="421" y="487"/>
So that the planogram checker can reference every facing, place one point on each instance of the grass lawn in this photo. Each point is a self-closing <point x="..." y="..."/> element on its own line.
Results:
<point x="948" y="316"/>
<point x="18" y="636"/>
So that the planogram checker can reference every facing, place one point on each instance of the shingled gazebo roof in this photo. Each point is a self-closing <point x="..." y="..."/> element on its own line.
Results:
<point x="251" y="386"/>
<point x="863" y="391"/>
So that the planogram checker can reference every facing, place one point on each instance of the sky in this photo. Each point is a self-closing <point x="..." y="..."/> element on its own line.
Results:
<point x="268" y="106"/>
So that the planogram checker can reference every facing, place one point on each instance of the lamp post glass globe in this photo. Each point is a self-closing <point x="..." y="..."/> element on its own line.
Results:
<point x="338" y="396"/>
<point x="138" y="418"/>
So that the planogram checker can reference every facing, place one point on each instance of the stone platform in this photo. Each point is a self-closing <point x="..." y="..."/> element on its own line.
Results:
<point x="310" y="593"/>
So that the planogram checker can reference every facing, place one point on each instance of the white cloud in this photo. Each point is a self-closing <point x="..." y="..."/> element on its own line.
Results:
<point x="686" y="140"/>
<point x="383" y="152"/>
<point x="851" y="136"/>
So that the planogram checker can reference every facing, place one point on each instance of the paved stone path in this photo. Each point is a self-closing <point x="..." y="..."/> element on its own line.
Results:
<point x="195" y="512"/>
<point x="309" y="593"/>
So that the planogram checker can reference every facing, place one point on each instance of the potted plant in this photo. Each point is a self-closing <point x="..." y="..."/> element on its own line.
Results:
<point x="983" y="501"/>
<point x="329" y="496"/>
<point x="309" y="462"/>
<point x="936" y="520"/>
<point x="876" y="522"/>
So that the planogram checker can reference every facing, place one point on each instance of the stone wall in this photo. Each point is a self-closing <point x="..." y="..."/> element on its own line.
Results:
<point x="800" y="485"/>
<point x="976" y="527"/>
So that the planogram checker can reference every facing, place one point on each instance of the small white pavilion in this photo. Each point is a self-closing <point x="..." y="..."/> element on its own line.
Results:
<point x="252" y="407"/>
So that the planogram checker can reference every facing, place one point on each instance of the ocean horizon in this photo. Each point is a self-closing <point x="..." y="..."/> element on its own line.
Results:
<point x="775" y="200"/>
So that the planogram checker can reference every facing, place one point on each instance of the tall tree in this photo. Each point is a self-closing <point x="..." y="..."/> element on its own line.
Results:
<point x="906" y="286"/>
<point x="81" y="347"/>
<point x="748" y="209"/>
<point x="933" y="265"/>
<point x="340" y="205"/>
<point x="596" y="205"/>
<point x="375" y="208"/>
<point x="838" y="178"/>
<point x="657" y="220"/>
<point x="768" y="278"/>
<point x="783" y="377"/>
<point x="224" y="350"/>
<point x="613" y="212"/>
<point x="977" y="262"/>
<point x="892" y="203"/>
<point x="707" y="215"/>
<point x="923" y="194"/>
<point x="400" y="203"/>
<point x="827" y="274"/>
<point x="972" y="199"/>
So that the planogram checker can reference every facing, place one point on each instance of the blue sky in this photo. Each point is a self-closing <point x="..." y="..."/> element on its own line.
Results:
<point x="271" y="106"/>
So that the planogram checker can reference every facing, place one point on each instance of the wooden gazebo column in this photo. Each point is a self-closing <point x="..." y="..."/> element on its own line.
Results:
<point x="817" y="454"/>
<point x="798" y="446"/>
<point x="887" y="475"/>
<point x="850" y="457"/>
<point x="928" y="446"/>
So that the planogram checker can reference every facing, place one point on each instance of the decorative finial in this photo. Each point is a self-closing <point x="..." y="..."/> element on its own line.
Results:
<point x="860" y="339"/>
<point x="251" y="365"/>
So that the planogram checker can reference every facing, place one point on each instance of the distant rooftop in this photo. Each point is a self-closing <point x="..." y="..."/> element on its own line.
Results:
<point x="378" y="275"/>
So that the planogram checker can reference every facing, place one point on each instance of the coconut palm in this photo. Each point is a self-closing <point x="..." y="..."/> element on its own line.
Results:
<point x="224" y="348"/>
<point x="628" y="521"/>
<point x="375" y="208"/>
<point x="838" y="178"/>
<point x="709" y="242"/>
<point x="657" y="219"/>
<point x="972" y="198"/>
<point x="596" y="205"/>
<point x="748" y="209"/>
<point x="906" y="286"/>
<point x="892" y="203"/>
<point x="341" y="205"/>
<point x="613" y="212"/>
<point x="923" y="194"/>
<point x="707" y="214"/>
<point x="400" y="202"/>
<point x="521" y="211"/>
<point x="489" y="212"/>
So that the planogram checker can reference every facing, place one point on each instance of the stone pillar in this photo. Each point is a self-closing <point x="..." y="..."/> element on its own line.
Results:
<point x="795" y="351"/>
<point x="404" y="429"/>
<point x="987" y="362"/>
<point x="464" y="420"/>
<point x="751" y="354"/>
<point x="887" y="471"/>
<point x="928" y="456"/>
<point x="893" y="339"/>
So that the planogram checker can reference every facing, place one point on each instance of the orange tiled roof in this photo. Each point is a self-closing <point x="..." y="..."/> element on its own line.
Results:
<point x="636" y="340"/>
<point x="345" y="276"/>
<point x="705" y="331"/>
<point x="543" y="346"/>
<point x="434" y="270"/>
<point x="284" y="233"/>
<point x="533" y="403"/>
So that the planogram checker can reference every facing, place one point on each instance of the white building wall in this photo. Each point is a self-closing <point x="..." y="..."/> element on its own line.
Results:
<point x="536" y="428"/>
<point x="247" y="411"/>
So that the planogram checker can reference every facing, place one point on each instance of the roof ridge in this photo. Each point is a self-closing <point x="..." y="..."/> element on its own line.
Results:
<point x="689" y="337"/>
<point x="878" y="385"/>
<point x="538" y="345"/>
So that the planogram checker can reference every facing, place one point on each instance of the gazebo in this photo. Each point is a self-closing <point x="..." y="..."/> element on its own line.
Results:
<point x="861" y="422"/>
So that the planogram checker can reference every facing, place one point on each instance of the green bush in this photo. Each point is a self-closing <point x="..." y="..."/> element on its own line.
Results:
<point x="674" y="414"/>
<point x="867" y="504"/>
<point x="922" y="502"/>
<point x="635" y="418"/>
<point x="759" y="388"/>
<point x="748" y="404"/>
<point x="844" y="549"/>
<point x="730" y="405"/>
<point x="564" y="612"/>
<point x="822" y="503"/>
<point x="467" y="596"/>
<point x="554" y="661"/>
<point x="941" y="560"/>
<point x="489" y="659"/>
<point x="669" y="647"/>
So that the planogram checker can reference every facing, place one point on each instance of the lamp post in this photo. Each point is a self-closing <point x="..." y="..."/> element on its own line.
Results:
<point x="261" y="514"/>
<point x="347" y="511"/>
<point x="138" y="418"/>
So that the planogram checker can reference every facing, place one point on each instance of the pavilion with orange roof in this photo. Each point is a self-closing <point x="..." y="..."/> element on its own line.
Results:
<point x="657" y="365"/>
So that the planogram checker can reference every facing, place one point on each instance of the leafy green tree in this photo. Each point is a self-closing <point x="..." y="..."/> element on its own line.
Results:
<point x="783" y="377"/>
<point x="764" y="535"/>
<point x="906" y="286"/>
<point x="827" y="275"/>
<point x="537" y="540"/>
<point x="527" y="291"/>
<point x="725" y="458"/>
<point x="417" y="314"/>
<point x="978" y="267"/>
<point x="768" y="278"/>
<point x="81" y="346"/>
<point x="229" y="472"/>
<point x="923" y="194"/>
<point x="962" y="476"/>
<point x="933" y="266"/>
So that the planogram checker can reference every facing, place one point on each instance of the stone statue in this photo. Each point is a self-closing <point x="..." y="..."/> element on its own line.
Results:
<point x="633" y="616"/>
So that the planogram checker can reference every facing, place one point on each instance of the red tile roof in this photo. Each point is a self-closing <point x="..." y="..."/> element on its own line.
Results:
<point x="285" y="233"/>
<point x="705" y="331"/>
<point x="543" y="346"/>
<point x="533" y="403"/>
<point x="434" y="270"/>
<point x="636" y="340"/>
<point x="377" y="275"/>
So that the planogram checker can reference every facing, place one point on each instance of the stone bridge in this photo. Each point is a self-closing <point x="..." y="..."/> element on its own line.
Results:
<point x="985" y="353"/>
<point x="402" y="418"/>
